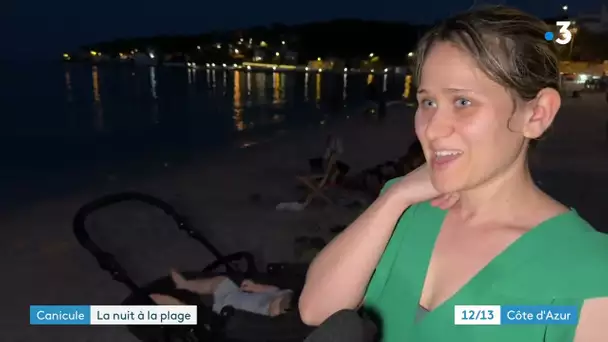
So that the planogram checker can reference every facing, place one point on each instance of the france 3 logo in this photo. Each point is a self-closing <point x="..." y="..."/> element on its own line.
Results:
<point x="564" y="36"/>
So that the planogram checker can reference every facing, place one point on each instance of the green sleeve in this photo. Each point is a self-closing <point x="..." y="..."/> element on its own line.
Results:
<point x="383" y="269"/>
<point x="389" y="183"/>
<point x="563" y="332"/>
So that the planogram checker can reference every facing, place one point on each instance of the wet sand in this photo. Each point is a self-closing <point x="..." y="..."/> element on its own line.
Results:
<point x="231" y="197"/>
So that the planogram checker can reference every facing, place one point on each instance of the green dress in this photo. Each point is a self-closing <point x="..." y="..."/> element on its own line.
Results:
<point x="562" y="261"/>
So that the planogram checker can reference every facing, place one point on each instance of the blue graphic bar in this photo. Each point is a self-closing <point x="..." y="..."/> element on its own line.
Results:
<point x="539" y="314"/>
<point x="60" y="315"/>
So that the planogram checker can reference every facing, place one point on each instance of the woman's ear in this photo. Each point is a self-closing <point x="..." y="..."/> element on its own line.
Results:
<point x="542" y="111"/>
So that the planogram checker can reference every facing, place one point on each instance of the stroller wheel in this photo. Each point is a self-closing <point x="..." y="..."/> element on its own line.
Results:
<point x="189" y="335"/>
<point x="227" y="311"/>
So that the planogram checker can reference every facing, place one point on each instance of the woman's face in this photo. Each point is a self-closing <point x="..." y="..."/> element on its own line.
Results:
<point x="462" y="121"/>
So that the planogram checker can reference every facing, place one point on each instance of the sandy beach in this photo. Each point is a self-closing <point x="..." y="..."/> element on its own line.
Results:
<point x="231" y="197"/>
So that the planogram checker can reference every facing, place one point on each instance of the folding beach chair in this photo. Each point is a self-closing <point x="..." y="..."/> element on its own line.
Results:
<point x="325" y="172"/>
<point x="318" y="166"/>
<point x="318" y="184"/>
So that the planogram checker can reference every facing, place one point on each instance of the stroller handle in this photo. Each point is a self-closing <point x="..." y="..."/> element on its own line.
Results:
<point x="109" y="263"/>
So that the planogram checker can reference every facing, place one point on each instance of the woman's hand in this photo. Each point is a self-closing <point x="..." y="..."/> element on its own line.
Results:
<point x="417" y="187"/>
<point x="445" y="201"/>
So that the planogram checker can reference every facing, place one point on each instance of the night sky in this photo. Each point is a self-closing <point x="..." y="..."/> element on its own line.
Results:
<point x="43" y="29"/>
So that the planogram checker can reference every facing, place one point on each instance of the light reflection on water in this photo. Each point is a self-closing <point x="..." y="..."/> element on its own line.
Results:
<point x="154" y="105"/>
<point x="118" y="98"/>
<point x="306" y="76"/>
<point x="318" y="88"/>
<point x="345" y="81"/>
<point x="238" y="105"/>
<point x="155" y="117"/>
<point x="68" y="87"/>
<point x="71" y="116"/>
<point x="97" y="105"/>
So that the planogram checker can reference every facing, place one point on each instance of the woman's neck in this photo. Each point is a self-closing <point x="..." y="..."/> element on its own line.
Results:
<point x="505" y="193"/>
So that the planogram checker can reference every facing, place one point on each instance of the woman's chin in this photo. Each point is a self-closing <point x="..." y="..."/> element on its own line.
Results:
<point x="446" y="186"/>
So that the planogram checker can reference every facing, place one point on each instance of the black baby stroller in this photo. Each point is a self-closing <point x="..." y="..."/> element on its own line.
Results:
<point x="230" y="325"/>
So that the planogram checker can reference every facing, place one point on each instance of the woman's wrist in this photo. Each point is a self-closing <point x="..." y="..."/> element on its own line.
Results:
<point x="394" y="200"/>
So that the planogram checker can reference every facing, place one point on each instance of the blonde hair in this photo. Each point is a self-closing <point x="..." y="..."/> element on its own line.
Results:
<point x="508" y="45"/>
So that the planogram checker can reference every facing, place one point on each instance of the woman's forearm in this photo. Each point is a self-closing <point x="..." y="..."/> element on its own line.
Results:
<point x="339" y="275"/>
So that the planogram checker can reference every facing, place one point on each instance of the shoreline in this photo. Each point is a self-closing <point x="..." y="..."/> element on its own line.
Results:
<point x="249" y="67"/>
<point x="113" y="173"/>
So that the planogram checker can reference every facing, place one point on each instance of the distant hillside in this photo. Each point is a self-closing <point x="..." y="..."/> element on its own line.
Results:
<point x="344" y="38"/>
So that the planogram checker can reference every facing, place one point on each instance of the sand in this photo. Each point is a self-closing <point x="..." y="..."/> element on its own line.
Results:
<point x="43" y="264"/>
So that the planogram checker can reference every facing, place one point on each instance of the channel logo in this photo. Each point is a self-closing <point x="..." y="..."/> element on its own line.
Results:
<point x="564" y="37"/>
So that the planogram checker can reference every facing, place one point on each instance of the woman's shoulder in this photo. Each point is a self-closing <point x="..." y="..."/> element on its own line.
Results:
<point x="576" y="240"/>
<point x="586" y="253"/>
<point x="570" y="263"/>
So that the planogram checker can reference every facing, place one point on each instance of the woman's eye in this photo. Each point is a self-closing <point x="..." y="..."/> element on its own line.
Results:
<point x="428" y="103"/>
<point x="463" y="103"/>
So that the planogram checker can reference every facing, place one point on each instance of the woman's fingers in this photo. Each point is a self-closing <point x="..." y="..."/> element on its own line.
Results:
<point x="450" y="201"/>
<point x="445" y="201"/>
<point x="437" y="201"/>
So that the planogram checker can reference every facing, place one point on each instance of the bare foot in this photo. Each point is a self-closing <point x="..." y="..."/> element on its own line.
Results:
<point x="251" y="286"/>
<point x="281" y="304"/>
<point x="161" y="299"/>
<point x="202" y="286"/>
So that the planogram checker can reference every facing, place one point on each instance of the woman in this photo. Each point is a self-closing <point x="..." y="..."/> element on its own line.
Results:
<point x="470" y="227"/>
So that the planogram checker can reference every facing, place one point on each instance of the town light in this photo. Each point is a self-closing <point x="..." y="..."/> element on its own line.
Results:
<point x="411" y="54"/>
<point x="277" y="54"/>
<point x="565" y="7"/>
<point x="236" y="50"/>
<point x="283" y="42"/>
<point x="371" y="55"/>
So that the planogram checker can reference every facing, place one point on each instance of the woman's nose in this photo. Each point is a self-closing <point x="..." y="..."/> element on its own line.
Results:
<point x="439" y="125"/>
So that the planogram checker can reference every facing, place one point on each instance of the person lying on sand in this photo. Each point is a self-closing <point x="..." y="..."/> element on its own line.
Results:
<point x="250" y="296"/>
<point x="373" y="179"/>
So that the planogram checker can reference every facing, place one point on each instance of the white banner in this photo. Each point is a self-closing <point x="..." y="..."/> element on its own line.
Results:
<point x="144" y="315"/>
